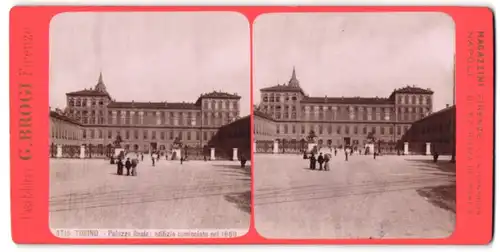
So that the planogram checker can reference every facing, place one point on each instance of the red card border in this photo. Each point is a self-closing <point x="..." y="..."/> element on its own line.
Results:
<point x="29" y="181"/>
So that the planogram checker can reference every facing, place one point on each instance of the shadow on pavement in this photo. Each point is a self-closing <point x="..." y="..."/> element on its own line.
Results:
<point x="242" y="200"/>
<point x="441" y="196"/>
<point x="442" y="165"/>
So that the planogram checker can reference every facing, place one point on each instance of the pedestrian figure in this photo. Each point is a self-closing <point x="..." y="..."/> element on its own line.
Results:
<point x="243" y="161"/>
<point x="312" y="162"/>
<point x="142" y="156"/>
<point x="153" y="160"/>
<point x="327" y="162"/>
<point x="133" y="169"/>
<point x="320" y="161"/>
<point x="335" y="151"/>
<point x="346" y="151"/>
<point x="128" y="165"/>
<point x="305" y="155"/>
<point x="352" y="151"/>
<point x="119" y="166"/>
<point x="435" y="156"/>
<point x="374" y="154"/>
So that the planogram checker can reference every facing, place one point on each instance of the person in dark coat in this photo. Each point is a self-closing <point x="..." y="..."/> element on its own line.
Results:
<point x="243" y="161"/>
<point x="128" y="165"/>
<point x="153" y="159"/>
<point x="312" y="162"/>
<point x="320" y="161"/>
<point x="142" y="156"/>
<point x="335" y="151"/>
<point x="119" y="166"/>
<point x="374" y="154"/>
<point x="327" y="160"/>
<point x="435" y="156"/>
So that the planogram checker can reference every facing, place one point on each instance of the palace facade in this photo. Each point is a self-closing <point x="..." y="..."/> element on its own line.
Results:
<point x="434" y="133"/>
<point x="339" y="121"/>
<point x="146" y="126"/>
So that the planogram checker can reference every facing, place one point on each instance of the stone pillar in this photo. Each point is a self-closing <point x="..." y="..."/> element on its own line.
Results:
<point x="235" y="154"/>
<point x="427" y="148"/>
<point x="82" y="151"/>
<point x="275" y="147"/>
<point x="178" y="154"/>
<point x="212" y="153"/>
<point x="405" y="150"/>
<point x="371" y="148"/>
<point x="310" y="146"/>
<point x="59" y="151"/>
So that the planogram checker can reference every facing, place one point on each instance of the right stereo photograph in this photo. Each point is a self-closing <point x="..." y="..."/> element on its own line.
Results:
<point x="354" y="125"/>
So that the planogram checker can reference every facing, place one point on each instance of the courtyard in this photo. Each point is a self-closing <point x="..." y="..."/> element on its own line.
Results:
<point x="390" y="197"/>
<point x="195" y="195"/>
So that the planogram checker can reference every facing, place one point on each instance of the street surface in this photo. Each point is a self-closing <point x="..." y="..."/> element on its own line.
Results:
<point x="195" y="195"/>
<point x="390" y="197"/>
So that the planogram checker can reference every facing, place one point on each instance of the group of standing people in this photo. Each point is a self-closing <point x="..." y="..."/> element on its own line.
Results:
<point x="322" y="160"/>
<point x="130" y="165"/>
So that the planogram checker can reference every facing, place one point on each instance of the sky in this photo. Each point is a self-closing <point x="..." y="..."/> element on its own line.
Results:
<point x="153" y="56"/>
<point x="356" y="54"/>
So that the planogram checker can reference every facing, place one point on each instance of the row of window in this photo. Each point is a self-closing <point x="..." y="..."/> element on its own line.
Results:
<point x="414" y="99"/>
<point x="63" y="133"/>
<point x="210" y="119"/>
<point x="346" y="109"/>
<point x="220" y="104"/>
<point x="146" y="134"/>
<point x="278" y="98"/>
<point x="402" y="99"/>
<point x="85" y="103"/>
<point x="346" y="129"/>
<point x="333" y="116"/>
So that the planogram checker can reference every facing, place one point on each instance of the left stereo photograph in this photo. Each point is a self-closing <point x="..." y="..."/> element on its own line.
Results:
<point x="149" y="125"/>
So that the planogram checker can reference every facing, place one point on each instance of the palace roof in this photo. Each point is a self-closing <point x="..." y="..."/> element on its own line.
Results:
<point x="63" y="117"/>
<point x="262" y="114"/>
<point x="413" y="90"/>
<point x="87" y="92"/>
<point x="347" y="100"/>
<point x="283" y="88"/>
<point x="152" y="105"/>
<point x="220" y="95"/>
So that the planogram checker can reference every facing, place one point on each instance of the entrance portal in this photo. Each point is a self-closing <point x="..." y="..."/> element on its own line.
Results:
<point x="154" y="146"/>
<point x="347" y="141"/>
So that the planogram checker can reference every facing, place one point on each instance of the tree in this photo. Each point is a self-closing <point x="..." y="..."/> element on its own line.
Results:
<point x="311" y="136"/>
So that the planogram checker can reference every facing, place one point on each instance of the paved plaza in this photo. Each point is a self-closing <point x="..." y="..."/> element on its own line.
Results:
<point x="195" y="195"/>
<point x="390" y="197"/>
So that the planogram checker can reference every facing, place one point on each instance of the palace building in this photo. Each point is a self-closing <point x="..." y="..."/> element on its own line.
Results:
<point x="145" y="126"/>
<point x="340" y="121"/>
<point x="433" y="133"/>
